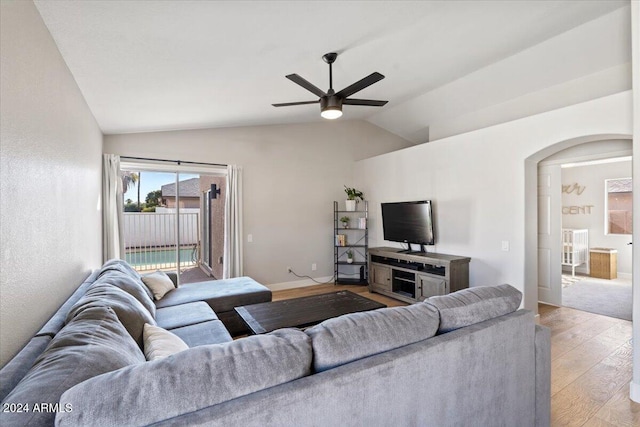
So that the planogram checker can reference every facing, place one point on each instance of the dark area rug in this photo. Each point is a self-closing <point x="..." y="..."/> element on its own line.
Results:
<point x="606" y="297"/>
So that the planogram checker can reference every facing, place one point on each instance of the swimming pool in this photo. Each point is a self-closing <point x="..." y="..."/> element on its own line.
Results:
<point x="153" y="258"/>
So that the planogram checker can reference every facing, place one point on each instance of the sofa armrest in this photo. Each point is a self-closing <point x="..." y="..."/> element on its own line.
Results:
<point x="14" y="371"/>
<point x="543" y="376"/>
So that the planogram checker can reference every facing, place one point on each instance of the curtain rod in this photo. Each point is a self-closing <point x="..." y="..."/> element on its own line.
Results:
<point x="178" y="162"/>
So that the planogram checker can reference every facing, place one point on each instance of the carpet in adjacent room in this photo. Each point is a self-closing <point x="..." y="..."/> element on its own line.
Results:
<point x="607" y="297"/>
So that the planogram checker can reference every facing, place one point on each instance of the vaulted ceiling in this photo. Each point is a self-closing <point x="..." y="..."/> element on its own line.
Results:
<point x="166" y="65"/>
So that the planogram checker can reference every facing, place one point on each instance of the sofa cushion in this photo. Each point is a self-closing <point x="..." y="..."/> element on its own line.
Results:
<point x="160" y="343"/>
<point x="190" y="380"/>
<point x="158" y="283"/>
<point x="121" y="266"/>
<point x="221" y="295"/>
<point x="212" y="332"/>
<point x="474" y="305"/>
<point x="57" y="321"/>
<point x="130" y="285"/>
<point x="353" y="336"/>
<point x="93" y="343"/>
<point x="129" y="310"/>
<point x="178" y="316"/>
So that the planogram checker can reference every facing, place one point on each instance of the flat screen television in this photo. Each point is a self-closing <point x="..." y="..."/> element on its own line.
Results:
<point x="408" y="222"/>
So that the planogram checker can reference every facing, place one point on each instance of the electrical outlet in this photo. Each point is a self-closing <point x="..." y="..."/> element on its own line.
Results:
<point x="289" y="270"/>
<point x="314" y="267"/>
<point x="505" y="245"/>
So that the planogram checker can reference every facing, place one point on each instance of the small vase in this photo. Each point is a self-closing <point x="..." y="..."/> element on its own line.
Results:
<point x="350" y="205"/>
<point x="349" y="260"/>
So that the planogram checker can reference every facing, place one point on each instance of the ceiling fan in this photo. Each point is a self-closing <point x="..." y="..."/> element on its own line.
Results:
<point x="331" y="102"/>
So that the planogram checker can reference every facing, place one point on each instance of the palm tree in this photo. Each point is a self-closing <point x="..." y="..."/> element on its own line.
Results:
<point x="128" y="179"/>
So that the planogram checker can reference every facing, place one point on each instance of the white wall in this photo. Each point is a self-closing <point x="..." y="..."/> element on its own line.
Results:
<point x="477" y="181"/>
<point x="592" y="178"/>
<point x="292" y="173"/>
<point x="50" y="179"/>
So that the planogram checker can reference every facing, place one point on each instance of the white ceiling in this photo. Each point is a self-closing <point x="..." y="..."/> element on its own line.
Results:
<point x="165" y="65"/>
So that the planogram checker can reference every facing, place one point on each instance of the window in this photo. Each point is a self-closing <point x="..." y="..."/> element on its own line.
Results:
<point x="618" y="205"/>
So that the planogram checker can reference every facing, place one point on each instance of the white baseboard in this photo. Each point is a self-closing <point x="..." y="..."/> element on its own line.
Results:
<point x="298" y="283"/>
<point x="634" y="391"/>
<point x="627" y="276"/>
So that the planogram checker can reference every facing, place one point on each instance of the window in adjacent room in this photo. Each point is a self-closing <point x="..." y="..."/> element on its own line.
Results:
<point x="618" y="205"/>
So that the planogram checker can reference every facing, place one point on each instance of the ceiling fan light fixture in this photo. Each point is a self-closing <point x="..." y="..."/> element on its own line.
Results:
<point x="330" y="107"/>
<point x="331" y="113"/>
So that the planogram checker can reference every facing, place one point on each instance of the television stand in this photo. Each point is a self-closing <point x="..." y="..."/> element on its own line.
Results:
<point x="416" y="276"/>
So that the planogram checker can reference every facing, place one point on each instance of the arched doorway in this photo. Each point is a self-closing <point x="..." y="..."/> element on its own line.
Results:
<point x="531" y="206"/>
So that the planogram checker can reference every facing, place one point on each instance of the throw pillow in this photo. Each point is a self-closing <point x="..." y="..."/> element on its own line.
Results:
<point x="159" y="284"/>
<point x="160" y="343"/>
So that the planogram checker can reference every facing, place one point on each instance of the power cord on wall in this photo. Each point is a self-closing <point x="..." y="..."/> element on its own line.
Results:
<point x="311" y="278"/>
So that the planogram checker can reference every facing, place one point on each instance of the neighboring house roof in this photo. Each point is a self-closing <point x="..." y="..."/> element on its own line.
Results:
<point x="188" y="188"/>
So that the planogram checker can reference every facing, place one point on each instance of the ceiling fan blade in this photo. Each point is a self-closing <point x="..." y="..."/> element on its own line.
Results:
<point x="370" y="102"/>
<point x="305" y="84"/>
<point x="360" y="84"/>
<point x="288" y="104"/>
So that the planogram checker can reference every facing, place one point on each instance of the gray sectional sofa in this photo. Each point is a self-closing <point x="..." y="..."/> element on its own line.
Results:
<point x="466" y="359"/>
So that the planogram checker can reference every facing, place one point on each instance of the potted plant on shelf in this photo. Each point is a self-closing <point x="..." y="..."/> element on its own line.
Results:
<point x="353" y="197"/>
<point x="349" y="256"/>
<point x="345" y="221"/>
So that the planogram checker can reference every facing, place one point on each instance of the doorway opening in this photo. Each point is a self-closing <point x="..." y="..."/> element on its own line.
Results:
<point x="584" y="262"/>
<point x="173" y="220"/>
<point x="596" y="221"/>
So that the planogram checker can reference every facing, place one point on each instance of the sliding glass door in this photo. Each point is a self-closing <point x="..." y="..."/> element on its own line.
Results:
<point x="171" y="220"/>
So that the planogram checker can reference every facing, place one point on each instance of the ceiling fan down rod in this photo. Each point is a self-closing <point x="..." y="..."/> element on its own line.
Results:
<point x="330" y="76"/>
<point x="330" y="58"/>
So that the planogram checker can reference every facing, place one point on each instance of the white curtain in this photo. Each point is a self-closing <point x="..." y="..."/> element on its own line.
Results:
<point x="232" y="265"/>
<point x="112" y="207"/>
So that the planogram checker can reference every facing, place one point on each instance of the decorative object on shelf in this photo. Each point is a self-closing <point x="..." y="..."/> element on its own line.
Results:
<point x="341" y="240"/>
<point x="353" y="197"/>
<point x="350" y="256"/>
<point x="344" y="221"/>
<point x="362" y="223"/>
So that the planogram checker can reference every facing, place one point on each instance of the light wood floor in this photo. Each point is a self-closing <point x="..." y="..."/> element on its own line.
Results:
<point x="590" y="362"/>
<point x="590" y="369"/>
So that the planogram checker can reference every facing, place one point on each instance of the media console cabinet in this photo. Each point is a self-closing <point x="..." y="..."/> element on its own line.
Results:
<point x="415" y="276"/>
